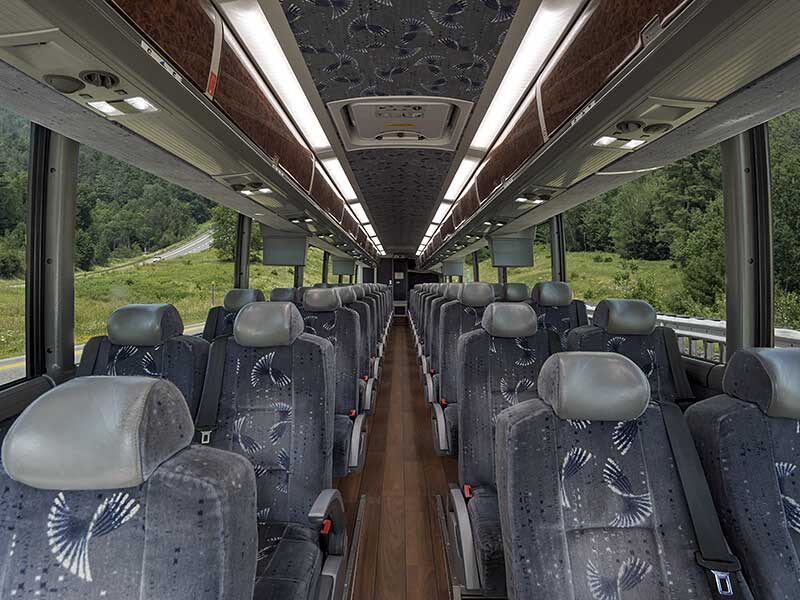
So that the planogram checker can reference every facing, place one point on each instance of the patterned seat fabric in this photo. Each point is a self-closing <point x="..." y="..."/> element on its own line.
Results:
<point x="497" y="367"/>
<point x="115" y="503"/>
<point x="628" y="327"/>
<point x="147" y="339"/>
<point x="369" y="337"/>
<point x="324" y="316"/>
<point x="450" y="296"/>
<point x="557" y="311"/>
<point x="220" y="319"/>
<point x="349" y="299"/>
<point x="591" y="505"/>
<point x="276" y="408"/>
<point x="749" y="442"/>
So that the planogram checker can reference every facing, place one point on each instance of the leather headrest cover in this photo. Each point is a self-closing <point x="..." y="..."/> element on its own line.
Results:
<point x="347" y="294"/>
<point x="516" y="292"/>
<point x="453" y="290"/>
<point x="625" y="317"/>
<point x="594" y="386"/>
<point x="551" y="293"/>
<point x="499" y="291"/>
<point x="510" y="319"/>
<point x="97" y="433"/>
<point x="321" y="300"/>
<point x="282" y="295"/>
<point x="263" y="324"/>
<point x="476" y="294"/>
<point x="441" y="288"/>
<point x="768" y="377"/>
<point x="238" y="298"/>
<point x="144" y="324"/>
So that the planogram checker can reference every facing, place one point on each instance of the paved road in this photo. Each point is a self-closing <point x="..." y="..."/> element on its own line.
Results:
<point x="199" y="244"/>
<point x="14" y="368"/>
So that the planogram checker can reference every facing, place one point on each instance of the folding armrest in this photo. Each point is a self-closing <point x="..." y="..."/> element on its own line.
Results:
<point x="441" y="440"/>
<point x="463" y="545"/>
<point x="327" y="514"/>
<point x="431" y="382"/>
<point x="368" y="394"/>
<point x="358" y="443"/>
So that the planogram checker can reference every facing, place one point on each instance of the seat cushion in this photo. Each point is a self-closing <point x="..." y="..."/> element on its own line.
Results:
<point x="484" y="516"/>
<point x="289" y="562"/>
<point x="342" y="428"/>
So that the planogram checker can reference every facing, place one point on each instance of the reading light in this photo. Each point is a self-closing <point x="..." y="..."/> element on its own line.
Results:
<point x="308" y="220"/>
<point x="464" y="173"/>
<point x="249" y="21"/>
<point x="431" y="229"/>
<point x="632" y="144"/>
<point x="248" y="192"/>
<point x="265" y="191"/>
<point x="370" y="230"/>
<point x="605" y="140"/>
<point x="340" y="179"/>
<point x="140" y="104"/>
<point x="534" y="201"/>
<point x="441" y="212"/>
<point x="358" y="211"/>
<point x="487" y="223"/>
<point x="105" y="108"/>
<point x="295" y="220"/>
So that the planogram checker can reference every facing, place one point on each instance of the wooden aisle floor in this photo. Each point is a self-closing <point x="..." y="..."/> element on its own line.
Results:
<point x="401" y="552"/>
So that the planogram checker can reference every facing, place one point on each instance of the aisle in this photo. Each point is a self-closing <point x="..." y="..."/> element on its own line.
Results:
<point x="401" y="555"/>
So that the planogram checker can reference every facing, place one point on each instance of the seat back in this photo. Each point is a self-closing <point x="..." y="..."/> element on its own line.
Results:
<point x="515" y="292"/>
<point x="220" y="318"/>
<point x="450" y="295"/>
<point x="628" y="327"/>
<point x="557" y="311"/>
<point x="364" y="308"/>
<point x="436" y="291"/>
<point x="374" y="311"/>
<point x="499" y="291"/>
<point x="497" y="366"/>
<point x="276" y="406"/>
<point x="148" y="340"/>
<point x="748" y="439"/>
<point x="591" y="505"/>
<point x="103" y="496"/>
<point x="348" y="298"/>
<point x="430" y="306"/>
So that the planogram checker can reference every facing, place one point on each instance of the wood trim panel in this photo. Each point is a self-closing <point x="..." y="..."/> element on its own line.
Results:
<point x="326" y="198"/>
<point x="240" y="97"/>
<point x="349" y="224"/>
<point x="607" y="39"/>
<point x="181" y="29"/>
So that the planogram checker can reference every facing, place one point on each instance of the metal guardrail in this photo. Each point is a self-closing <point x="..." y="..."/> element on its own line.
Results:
<point x="705" y="338"/>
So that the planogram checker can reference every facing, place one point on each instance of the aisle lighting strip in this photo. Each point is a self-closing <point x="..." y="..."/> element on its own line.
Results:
<point x="543" y="33"/>
<point x="251" y="24"/>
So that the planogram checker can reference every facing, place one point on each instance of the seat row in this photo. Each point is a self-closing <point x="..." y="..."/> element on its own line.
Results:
<point x="132" y="508"/>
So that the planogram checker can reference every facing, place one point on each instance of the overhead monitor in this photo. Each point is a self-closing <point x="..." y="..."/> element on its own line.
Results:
<point x="282" y="248"/>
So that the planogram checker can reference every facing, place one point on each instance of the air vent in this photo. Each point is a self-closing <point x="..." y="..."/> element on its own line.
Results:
<point x="400" y="122"/>
<point x="102" y="79"/>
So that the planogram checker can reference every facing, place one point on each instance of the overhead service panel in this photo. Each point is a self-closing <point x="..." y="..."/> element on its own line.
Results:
<point x="400" y="122"/>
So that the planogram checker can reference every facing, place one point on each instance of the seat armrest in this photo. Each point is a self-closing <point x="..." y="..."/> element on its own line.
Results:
<point x="328" y="516"/>
<point x="441" y="442"/>
<point x="358" y="443"/>
<point x="461" y="530"/>
<point x="368" y="390"/>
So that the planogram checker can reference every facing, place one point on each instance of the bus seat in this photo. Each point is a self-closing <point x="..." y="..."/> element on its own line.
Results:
<point x="220" y="318"/>
<point x="147" y="339"/>
<point x="284" y="295"/>
<point x="363" y="306"/>
<point x="552" y="301"/>
<point x="431" y="377"/>
<point x="499" y="291"/>
<point x="629" y="327"/>
<point x="272" y="388"/>
<point x="747" y="438"/>
<point x="367" y="380"/>
<point x="103" y="496"/>
<point x="516" y="292"/>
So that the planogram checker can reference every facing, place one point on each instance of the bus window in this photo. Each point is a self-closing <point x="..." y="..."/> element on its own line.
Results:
<point x="784" y="141"/>
<point x="660" y="238"/>
<point x="14" y="143"/>
<point x="140" y="239"/>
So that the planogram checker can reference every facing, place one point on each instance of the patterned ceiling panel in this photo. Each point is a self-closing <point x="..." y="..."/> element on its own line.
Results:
<point x="357" y="48"/>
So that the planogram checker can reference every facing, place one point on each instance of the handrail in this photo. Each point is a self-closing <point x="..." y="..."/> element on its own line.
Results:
<point x="705" y="338"/>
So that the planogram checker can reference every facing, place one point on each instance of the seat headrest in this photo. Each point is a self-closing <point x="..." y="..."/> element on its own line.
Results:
<point x="263" y="324"/>
<point x="321" y="285"/>
<point x="551" y="293"/>
<point x="441" y="288"/>
<point x="282" y="295"/>
<point x="768" y="377"/>
<point x="97" y="433"/>
<point x="453" y="290"/>
<point x="144" y="324"/>
<point x="499" y="291"/>
<point x="594" y="386"/>
<point x="359" y="291"/>
<point x="321" y="300"/>
<point x="347" y="294"/>
<point x="516" y="292"/>
<point x="476" y="294"/>
<point x="625" y="317"/>
<point x="509" y="320"/>
<point x="238" y="298"/>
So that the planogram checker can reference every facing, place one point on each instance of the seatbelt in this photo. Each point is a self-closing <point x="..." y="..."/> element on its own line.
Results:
<point x="205" y="422"/>
<point x="714" y="555"/>
<point x="89" y="357"/>
<point x="682" y="387"/>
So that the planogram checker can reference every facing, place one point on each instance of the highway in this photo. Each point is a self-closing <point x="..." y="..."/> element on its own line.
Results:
<point x="199" y="244"/>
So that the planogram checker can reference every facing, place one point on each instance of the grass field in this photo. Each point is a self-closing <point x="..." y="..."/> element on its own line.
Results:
<point x="197" y="282"/>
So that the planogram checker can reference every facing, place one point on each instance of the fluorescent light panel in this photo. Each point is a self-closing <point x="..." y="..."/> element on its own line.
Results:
<point x="370" y="230"/>
<point x="106" y="108"/>
<point x="464" y="173"/>
<point x="441" y="212"/>
<point x="340" y="179"/>
<point x="431" y="229"/>
<point x="605" y="140"/>
<point x="633" y="144"/>
<point x="358" y="211"/>
<point x="140" y="104"/>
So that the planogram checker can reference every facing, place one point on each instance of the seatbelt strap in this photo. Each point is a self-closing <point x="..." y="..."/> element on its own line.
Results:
<point x="714" y="555"/>
<point x="205" y="422"/>
<point x="682" y="387"/>
<point x="89" y="357"/>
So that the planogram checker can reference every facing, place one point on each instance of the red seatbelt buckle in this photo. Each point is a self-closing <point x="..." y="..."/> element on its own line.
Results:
<point x="365" y="378"/>
<point x="467" y="491"/>
<point x="352" y="413"/>
<point x="327" y="524"/>
<point x="433" y="371"/>
<point x="443" y="401"/>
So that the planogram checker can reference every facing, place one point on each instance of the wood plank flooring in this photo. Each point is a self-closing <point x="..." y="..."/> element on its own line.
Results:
<point x="401" y="553"/>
